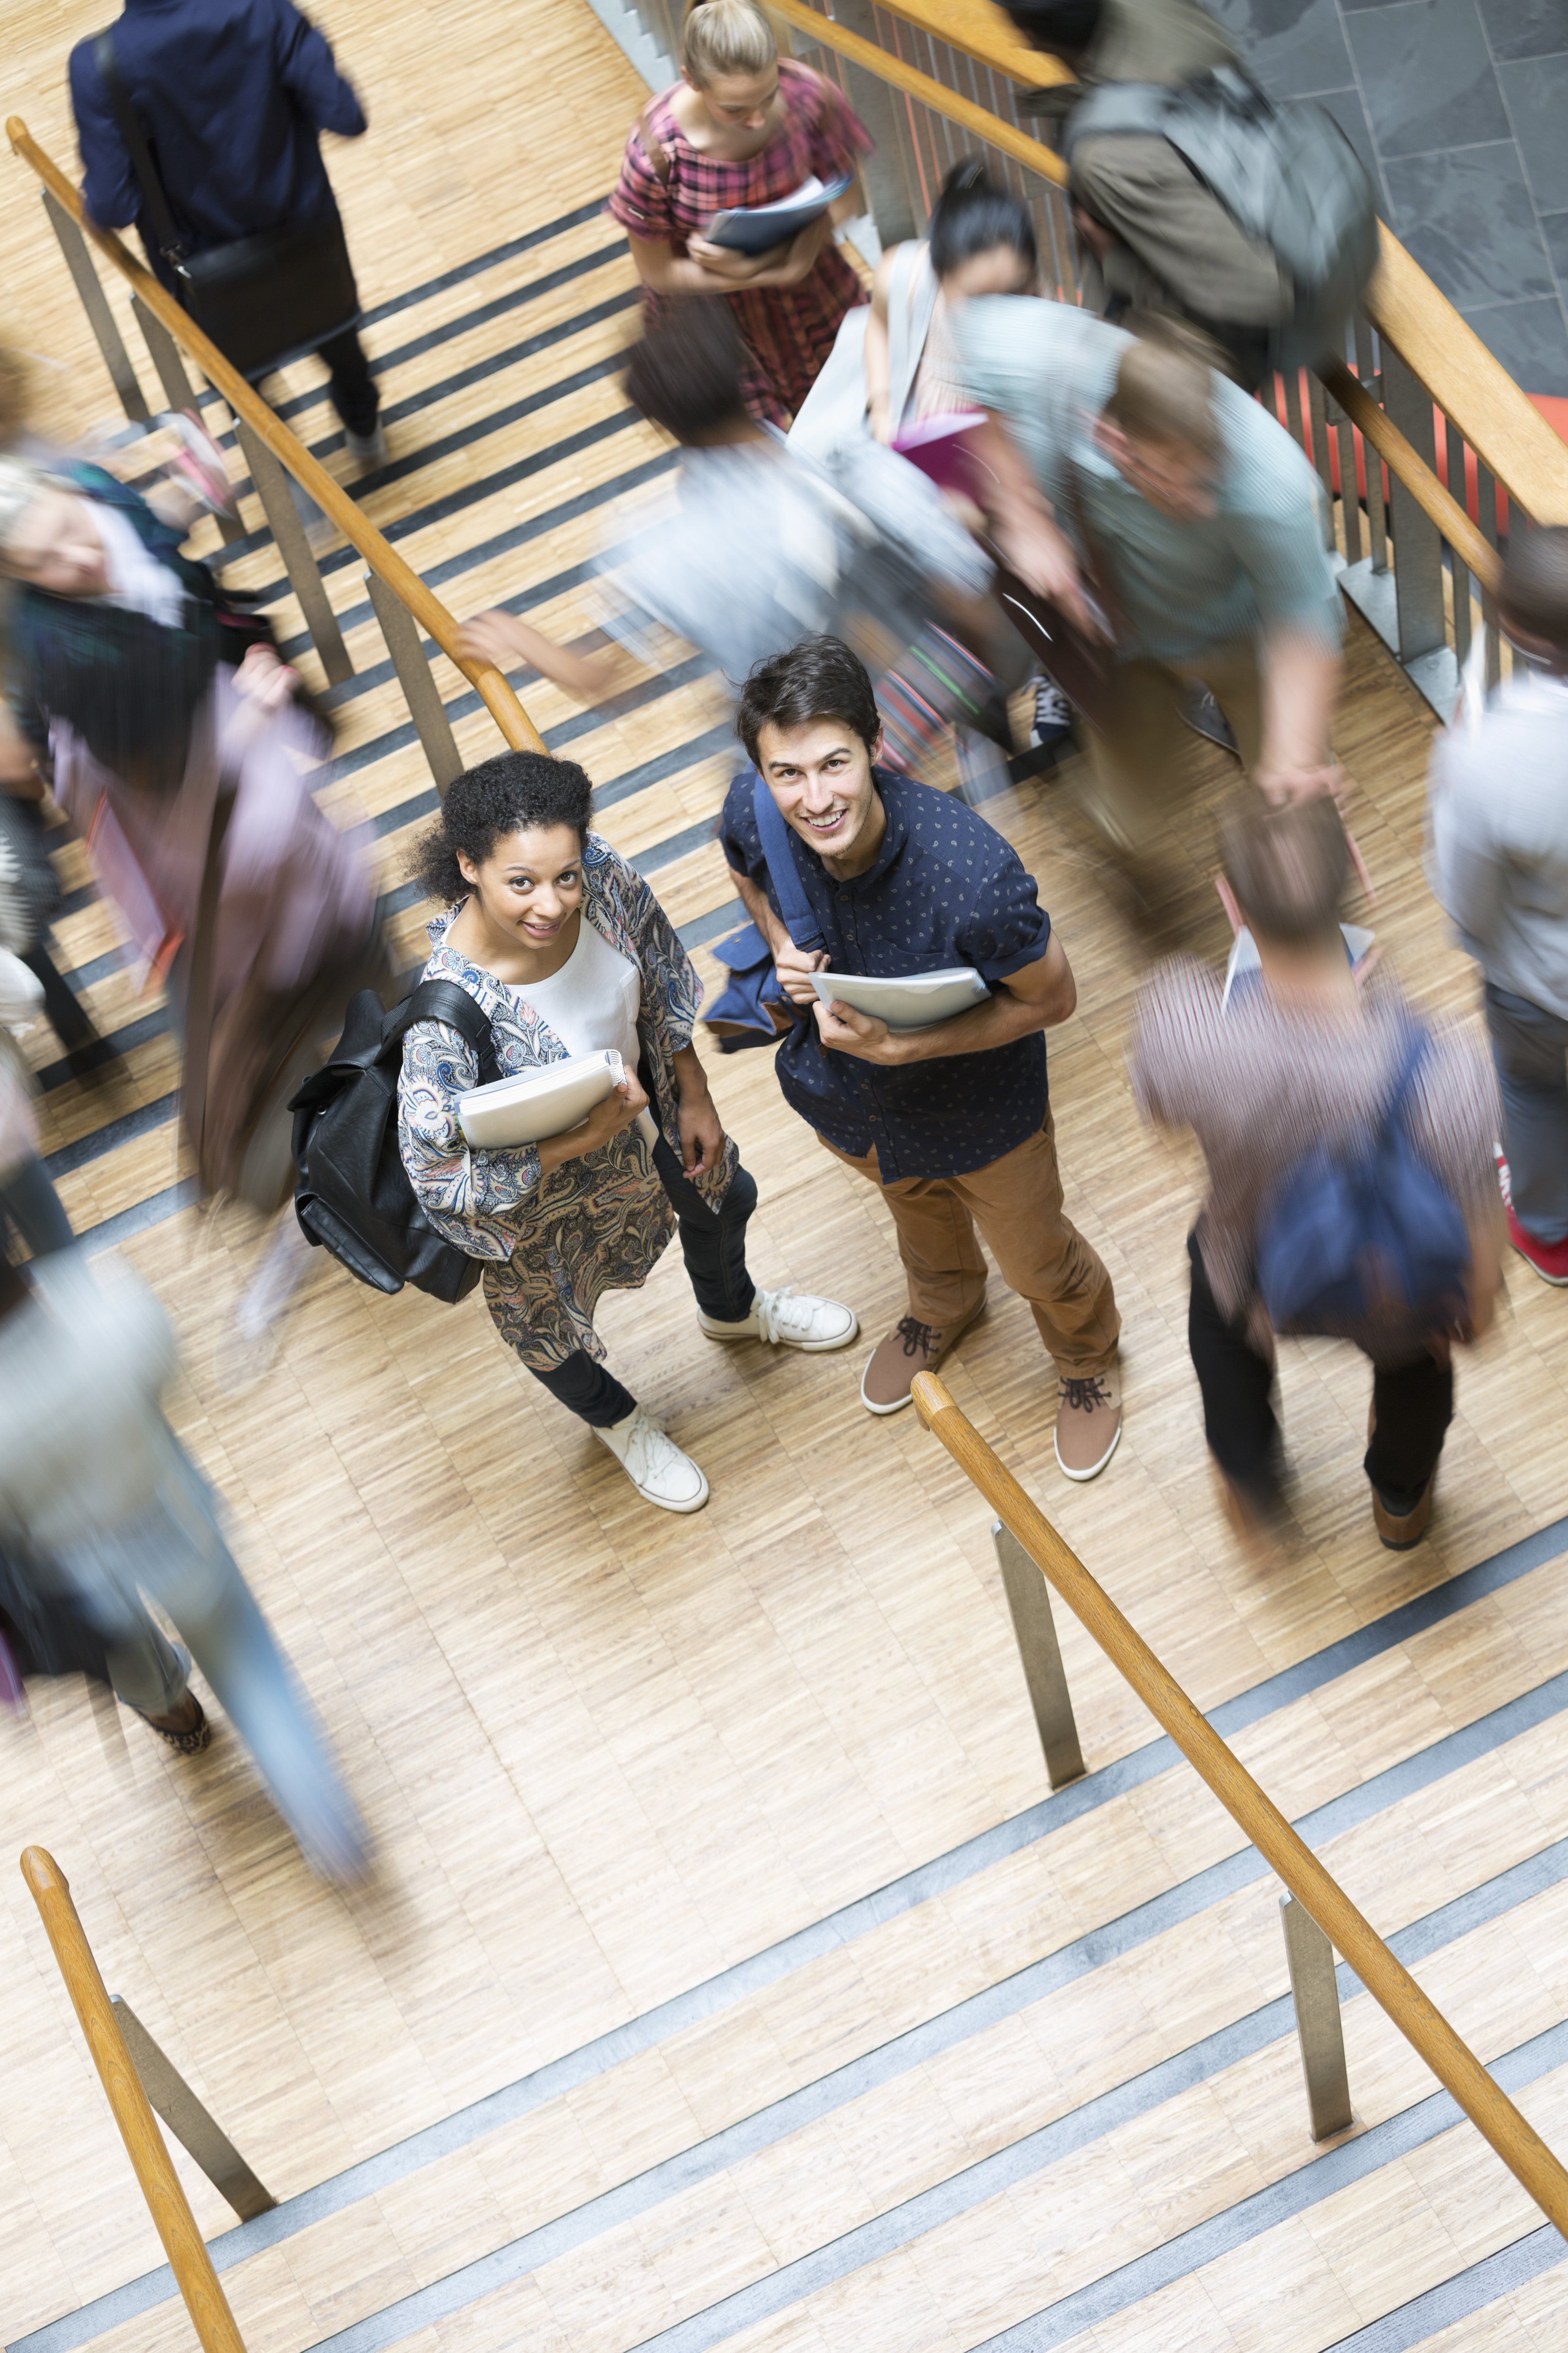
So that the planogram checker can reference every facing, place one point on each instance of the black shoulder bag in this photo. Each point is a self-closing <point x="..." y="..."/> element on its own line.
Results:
<point x="263" y="300"/>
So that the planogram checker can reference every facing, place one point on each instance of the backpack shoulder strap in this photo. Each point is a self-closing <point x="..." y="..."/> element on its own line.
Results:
<point x="170" y="242"/>
<point x="912" y="301"/>
<point x="449" y="1001"/>
<point x="799" y="921"/>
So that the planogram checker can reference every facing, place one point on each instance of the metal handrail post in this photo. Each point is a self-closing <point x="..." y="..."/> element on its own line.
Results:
<point x="192" y="2124"/>
<point x="1029" y="1606"/>
<point x="100" y="317"/>
<point x="276" y="498"/>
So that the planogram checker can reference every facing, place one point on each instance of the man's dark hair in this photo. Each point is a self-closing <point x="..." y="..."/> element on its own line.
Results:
<point x="1063" y="28"/>
<point x="818" y="678"/>
<point x="1533" y="590"/>
<point x="512" y="793"/>
<point x="685" y="373"/>
<point x="973" y="215"/>
<point x="1289" y="867"/>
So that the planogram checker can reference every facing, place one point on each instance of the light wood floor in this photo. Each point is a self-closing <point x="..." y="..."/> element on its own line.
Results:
<point x="608" y="1755"/>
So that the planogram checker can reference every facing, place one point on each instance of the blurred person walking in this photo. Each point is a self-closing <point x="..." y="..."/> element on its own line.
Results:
<point x="1319" y="1102"/>
<point x="952" y="1121"/>
<point x="1191" y="194"/>
<point x="200" y="120"/>
<point x="745" y="127"/>
<point x="567" y="951"/>
<point x="1499" y="867"/>
<point x="176" y="741"/>
<point x="761" y="542"/>
<point x="1147" y="496"/>
<point x="100" y="1505"/>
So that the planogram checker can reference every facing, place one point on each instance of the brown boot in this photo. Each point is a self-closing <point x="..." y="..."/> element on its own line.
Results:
<point x="1402" y="1530"/>
<point x="910" y="1347"/>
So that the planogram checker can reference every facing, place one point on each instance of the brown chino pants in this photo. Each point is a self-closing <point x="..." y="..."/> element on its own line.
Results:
<point x="1016" y="1202"/>
<point x="1136" y="761"/>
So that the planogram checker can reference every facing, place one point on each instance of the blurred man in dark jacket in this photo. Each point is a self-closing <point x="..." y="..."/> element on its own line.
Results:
<point x="233" y="96"/>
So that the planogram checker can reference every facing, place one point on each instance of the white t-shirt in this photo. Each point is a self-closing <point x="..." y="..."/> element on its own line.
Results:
<point x="593" y="1000"/>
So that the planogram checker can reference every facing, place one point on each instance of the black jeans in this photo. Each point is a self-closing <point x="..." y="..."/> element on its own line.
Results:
<point x="713" y="1244"/>
<point x="351" y="387"/>
<point x="1413" y="1404"/>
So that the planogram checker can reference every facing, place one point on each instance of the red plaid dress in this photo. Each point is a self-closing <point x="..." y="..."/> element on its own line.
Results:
<point x="788" y="330"/>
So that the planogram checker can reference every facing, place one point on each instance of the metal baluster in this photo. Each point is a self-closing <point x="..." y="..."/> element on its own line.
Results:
<point x="178" y="390"/>
<point x="1487" y="503"/>
<point x="193" y="2124"/>
<point x="1318" y="408"/>
<point x="1350" y="497"/>
<point x="940" y="120"/>
<point x="879" y="106"/>
<point x="1417" y="543"/>
<point x="1457" y="572"/>
<point x="420" y="691"/>
<point x="1293" y="425"/>
<point x="1029" y="1606"/>
<point x="298" y="556"/>
<point x="1376" y="520"/>
<point x="100" y="317"/>
<point x="1320" y="2029"/>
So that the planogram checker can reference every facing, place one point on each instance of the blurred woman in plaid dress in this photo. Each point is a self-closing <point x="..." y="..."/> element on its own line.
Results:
<point x="745" y="127"/>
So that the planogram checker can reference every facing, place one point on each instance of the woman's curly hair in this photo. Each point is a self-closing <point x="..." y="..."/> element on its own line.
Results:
<point x="513" y="792"/>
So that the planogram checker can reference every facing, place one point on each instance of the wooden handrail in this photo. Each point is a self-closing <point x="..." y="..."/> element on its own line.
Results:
<point x="176" y="2225"/>
<point x="1378" y="428"/>
<point x="491" y="686"/>
<point x="1423" y="2026"/>
<point x="977" y="121"/>
<point x="1441" y="349"/>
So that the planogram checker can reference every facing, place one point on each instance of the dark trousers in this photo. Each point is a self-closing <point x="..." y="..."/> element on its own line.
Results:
<point x="352" y="388"/>
<point x="1413" y="1404"/>
<point x="67" y="1017"/>
<point x="713" y="1244"/>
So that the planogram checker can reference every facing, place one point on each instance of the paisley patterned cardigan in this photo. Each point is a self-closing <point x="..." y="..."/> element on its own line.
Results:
<point x="553" y="1244"/>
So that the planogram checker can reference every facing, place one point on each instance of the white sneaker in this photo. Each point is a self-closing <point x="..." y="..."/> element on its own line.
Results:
<point x="789" y="1319"/>
<point x="655" y="1466"/>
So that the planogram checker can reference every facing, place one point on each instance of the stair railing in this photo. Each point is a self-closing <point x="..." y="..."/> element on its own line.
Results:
<point x="166" y="2202"/>
<point x="1340" y="1925"/>
<point x="403" y="604"/>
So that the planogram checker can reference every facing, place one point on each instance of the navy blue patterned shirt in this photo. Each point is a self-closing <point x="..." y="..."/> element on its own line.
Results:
<point x="945" y="889"/>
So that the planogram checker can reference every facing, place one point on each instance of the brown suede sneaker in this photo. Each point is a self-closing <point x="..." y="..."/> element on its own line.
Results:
<point x="1089" y="1423"/>
<point x="910" y="1347"/>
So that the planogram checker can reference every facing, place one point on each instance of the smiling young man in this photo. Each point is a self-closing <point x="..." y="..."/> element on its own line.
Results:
<point x="952" y="1121"/>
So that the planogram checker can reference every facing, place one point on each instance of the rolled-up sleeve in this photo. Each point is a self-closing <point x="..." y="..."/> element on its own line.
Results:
<point x="471" y="1198"/>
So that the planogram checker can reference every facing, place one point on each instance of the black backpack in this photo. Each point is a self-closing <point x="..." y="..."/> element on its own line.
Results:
<point x="353" y="1195"/>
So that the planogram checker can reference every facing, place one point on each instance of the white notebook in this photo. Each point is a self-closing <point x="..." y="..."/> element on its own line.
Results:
<point x="538" y="1104"/>
<point x="917" y="1002"/>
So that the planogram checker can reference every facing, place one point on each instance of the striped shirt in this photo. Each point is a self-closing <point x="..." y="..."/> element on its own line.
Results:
<point x="1264" y="1084"/>
<point x="1185" y="584"/>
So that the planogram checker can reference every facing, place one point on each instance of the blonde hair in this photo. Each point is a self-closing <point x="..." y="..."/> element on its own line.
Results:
<point x="1165" y="393"/>
<point x="725" y="37"/>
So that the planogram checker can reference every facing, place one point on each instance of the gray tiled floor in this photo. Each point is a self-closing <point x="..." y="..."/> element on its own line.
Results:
<point x="1460" y="107"/>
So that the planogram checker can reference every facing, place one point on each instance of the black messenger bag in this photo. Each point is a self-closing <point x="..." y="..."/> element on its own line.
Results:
<point x="263" y="300"/>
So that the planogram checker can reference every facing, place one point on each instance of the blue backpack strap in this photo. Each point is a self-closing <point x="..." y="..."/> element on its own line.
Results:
<point x="798" y="920"/>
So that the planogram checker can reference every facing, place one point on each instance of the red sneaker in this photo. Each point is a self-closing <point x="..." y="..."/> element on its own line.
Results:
<point x="1550" y="1260"/>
